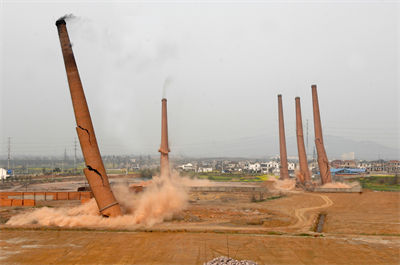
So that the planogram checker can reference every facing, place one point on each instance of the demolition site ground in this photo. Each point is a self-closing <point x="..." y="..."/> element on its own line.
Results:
<point x="270" y="227"/>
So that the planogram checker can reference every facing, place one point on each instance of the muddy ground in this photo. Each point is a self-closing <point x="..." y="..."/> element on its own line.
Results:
<point x="271" y="228"/>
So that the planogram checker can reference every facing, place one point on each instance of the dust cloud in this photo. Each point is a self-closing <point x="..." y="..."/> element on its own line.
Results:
<point x="160" y="200"/>
<point x="284" y="185"/>
<point x="336" y="185"/>
<point x="299" y="176"/>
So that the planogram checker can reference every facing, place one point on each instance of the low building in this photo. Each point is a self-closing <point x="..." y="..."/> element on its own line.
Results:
<point x="336" y="163"/>
<point x="255" y="168"/>
<point x="343" y="164"/>
<point x="269" y="167"/>
<point x="349" y="164"/>
<point x="393" y="166"/>
<point x="4" y="173"/>
<point x="347" y="171"/>
<point x="186" y="167"/>
<point x="365" y="165"/>
<point x="204" y="169"/>
<point x="291" y="166"/>
<point x="378" y="166"/>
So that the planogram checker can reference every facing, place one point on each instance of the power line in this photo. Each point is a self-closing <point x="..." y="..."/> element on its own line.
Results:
<point x="75" y="146"/>
<point x="307" y="134"/>
<point x="9" y="153"/>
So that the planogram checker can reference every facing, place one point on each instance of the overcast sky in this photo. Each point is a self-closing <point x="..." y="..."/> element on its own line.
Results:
<point x="223" y="64"/>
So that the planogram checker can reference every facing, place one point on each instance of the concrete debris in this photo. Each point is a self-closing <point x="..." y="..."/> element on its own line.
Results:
<point x="222" y="260"/>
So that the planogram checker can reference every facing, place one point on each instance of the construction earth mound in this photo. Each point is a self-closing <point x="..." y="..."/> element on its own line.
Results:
<point x="222" y="260"/>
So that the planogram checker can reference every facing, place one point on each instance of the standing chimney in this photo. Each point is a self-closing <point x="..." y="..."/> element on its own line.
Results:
<point x="304" y="171"/>
<point x="94" y="171"/>
<point x="164" y="149"/>
<point x="323" y="162"/>
<point x="284" y="172"/>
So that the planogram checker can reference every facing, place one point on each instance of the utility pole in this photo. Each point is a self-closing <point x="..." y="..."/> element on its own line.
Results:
<point x="65" y="154"/>
<point x="307" y="134"/>
<point x="9" y="153"/>
<point x="75" y="154"/>
<point x="313" y="155"/>
<point x="64" y="160"/>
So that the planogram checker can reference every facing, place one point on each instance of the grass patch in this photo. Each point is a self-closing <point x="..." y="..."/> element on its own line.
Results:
<point x="3" y="220"/>
<point x="378" y="234"/>
<point x="235" y="177"/>
<point x="381" y="183"/>
<point x="261" y="198"/>
<point x="303" y="234"/>
<point x="274" y="233"/>
<point x="382" y="187"/>
<point x="275" y="197"/>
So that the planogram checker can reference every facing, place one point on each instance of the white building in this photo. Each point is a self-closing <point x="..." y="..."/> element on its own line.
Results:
<point x="365" y="165"/>
<point x="256" y="167"/>
<point x="204" y="169"/>
<point x="270" y="166"/>
<point x="186" y="167"/>
<point x="3" y="173"/>
<point x="291" y="166"/>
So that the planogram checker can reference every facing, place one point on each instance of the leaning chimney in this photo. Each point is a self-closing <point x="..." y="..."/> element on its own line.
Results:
<point x="94" y="171"/>
<point x="164" y="149"/>
<point x="304" y="171"/>
<point x="284" y="172"/>
<point x="323" y="162"/>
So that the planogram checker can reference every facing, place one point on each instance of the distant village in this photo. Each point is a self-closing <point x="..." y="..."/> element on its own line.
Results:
<point x="65" y="165"/>
<point x="273" y="166"/>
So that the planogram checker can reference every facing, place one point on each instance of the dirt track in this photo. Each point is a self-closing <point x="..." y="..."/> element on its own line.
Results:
<point x="304" y="222"/>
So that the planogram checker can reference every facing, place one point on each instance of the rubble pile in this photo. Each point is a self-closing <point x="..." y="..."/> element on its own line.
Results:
<point x="222" y="260"/>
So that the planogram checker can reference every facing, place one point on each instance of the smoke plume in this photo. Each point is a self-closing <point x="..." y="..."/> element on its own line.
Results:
<point x="67" y="17"/>
<point x="167" y="83"/>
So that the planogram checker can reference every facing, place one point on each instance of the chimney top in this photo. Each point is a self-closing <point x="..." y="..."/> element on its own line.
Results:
<point x="279" y="95"/>
<point x="314" y="86"/>
<point x="60" y="22"/>
<point x="164" y="99"/>
<point x="297" y="98"/>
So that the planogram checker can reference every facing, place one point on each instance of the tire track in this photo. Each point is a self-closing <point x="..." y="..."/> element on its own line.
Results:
<point x="300" y="213"/>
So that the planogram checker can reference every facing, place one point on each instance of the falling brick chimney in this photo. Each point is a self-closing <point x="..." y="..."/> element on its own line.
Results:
<point x="94" y="171"/>
<point x="323" y="162"/>
<point x="304" y="171"/>
<point x="164" y="149"/>
<point x="284" y="172"/>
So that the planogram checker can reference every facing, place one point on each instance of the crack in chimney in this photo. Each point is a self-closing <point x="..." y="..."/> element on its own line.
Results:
<point x="97" y="172"/>
<point x="80" y="127"/>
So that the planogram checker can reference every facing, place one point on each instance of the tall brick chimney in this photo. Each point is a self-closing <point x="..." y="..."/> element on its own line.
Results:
<point x="164" y="149"/>
<point x="304" y="171"/>
<point x="284" y="172"/>
<point x="94" y="171"/>
<point x="323" y="162"/>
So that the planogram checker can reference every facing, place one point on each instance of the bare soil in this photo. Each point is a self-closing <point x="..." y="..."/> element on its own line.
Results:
<point x="96" y="247"/>
<point x="271" y="228"/>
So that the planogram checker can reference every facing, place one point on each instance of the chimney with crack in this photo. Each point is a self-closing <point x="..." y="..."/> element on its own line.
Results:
<point x="323" y="163"/>
<point x="94" y="171"/>
<point x="164" y="149"/>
